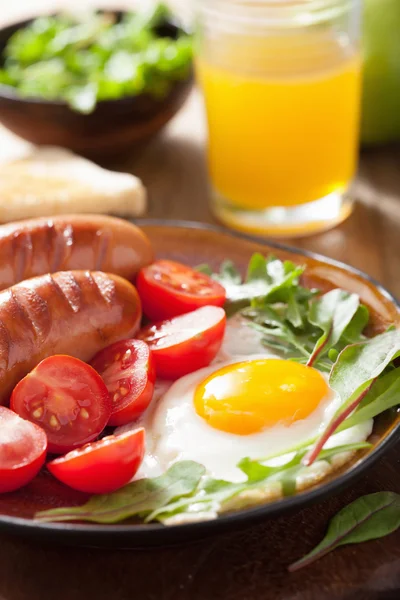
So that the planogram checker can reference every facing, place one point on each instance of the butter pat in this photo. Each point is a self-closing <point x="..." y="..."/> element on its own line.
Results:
<point x="54" y="181"/>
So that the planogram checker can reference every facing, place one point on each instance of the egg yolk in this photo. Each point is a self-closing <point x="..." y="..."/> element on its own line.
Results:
<point x="247" y="397"/>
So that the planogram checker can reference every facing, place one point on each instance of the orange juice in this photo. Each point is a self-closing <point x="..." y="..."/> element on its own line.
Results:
<point x="283" y="118"/>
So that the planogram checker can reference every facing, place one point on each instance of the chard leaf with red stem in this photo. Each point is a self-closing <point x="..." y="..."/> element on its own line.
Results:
<point x="353" y="375"/>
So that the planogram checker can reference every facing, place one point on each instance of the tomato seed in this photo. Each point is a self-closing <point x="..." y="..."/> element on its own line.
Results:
<point x="84" y="413"/>
<point x="115" y="397"/>
<point x="123" y="391"/>
<point x="54" y="422"/>
<point x="38" y="413"/>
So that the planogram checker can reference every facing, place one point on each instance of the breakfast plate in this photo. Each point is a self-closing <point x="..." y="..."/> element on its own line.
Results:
<point x="195" y="244"/>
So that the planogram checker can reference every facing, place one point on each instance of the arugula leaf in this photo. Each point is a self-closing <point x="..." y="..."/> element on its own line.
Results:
<point x="137" y="498"/>
<point x="287" y="314"/>
<point x="332" y="313"/>
<point x="352" y="376"/>
<point x="266" y="278"/>
<point x="294" y="312"/>
<point x="277" y="333"/>
<point x="368" y="518"/>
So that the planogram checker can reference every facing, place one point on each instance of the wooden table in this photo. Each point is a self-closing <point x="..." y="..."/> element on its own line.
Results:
<point x="250" y="564"/>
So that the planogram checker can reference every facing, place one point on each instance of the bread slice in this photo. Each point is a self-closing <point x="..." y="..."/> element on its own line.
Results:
<point x="54" y="181"/>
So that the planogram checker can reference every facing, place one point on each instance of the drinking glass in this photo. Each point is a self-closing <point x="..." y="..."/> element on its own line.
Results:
<point x="281" y="82"/>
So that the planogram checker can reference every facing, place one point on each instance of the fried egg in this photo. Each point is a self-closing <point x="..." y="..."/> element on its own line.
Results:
<point x="248" y="403"/>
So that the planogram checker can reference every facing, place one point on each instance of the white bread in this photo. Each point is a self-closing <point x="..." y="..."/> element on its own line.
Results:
<point x="54" y="181"/>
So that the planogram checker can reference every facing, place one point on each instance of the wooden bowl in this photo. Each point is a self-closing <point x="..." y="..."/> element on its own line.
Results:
<point x="194" y="244"/>
<point x="113" y="128"/>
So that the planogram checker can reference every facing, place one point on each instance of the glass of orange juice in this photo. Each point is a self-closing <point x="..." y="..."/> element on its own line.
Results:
<point x="281" y="81"/>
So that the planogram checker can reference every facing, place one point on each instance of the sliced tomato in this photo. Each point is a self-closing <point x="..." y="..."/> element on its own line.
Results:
<point x="168" y="289"/>
<point x="67" y="398"/>
<point x="103" y="466"/>
<point x="23" y="448"/>
<point x="186" y="343"/>
<point x="128" y="370"/>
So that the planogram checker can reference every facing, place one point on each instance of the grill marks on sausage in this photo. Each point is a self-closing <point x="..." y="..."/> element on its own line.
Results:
<point x="103" y="238"/>
<point x="65" y="284"/>
<point x="54" y="240"/>
<point x="22" y="254"/>
<point x="26" y="318"/>
<point x="35" y="309"/>
<point x="60" y="240"/>
<point x="18" y="325"/>
<point x="104" y="285"/>
<point x="5" y="343"/>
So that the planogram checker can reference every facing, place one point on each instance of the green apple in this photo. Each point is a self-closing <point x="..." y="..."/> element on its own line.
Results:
<point x="381" y="91"/>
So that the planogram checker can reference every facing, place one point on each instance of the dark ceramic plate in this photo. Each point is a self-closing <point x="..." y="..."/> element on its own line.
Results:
<point x="193" y="244"/>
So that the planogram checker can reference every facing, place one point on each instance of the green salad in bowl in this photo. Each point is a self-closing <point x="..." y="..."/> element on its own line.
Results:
<point x="82" y="60"/>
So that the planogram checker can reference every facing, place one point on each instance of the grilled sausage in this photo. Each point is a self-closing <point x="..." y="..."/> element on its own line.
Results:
<point x="72" y="312"/>
<point x="63" y="243"/>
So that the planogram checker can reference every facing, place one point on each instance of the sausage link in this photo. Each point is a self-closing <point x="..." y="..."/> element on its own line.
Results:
<point x="71" y="312"/>
<point x="46" y="245"/>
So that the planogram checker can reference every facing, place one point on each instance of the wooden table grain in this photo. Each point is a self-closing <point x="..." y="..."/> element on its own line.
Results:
<point x="249" y="564"/>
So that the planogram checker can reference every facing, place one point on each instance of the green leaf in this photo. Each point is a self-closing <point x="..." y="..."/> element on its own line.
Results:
<point x="229" y="275"/>
<point x="85" y="60"/>
<point x="278" y="303"/>
<point x="332" y="313"/>
<point x="383" y="395"/>
<point x="137" y="498"/>
<point x="210" y="497"/>
<point x="368" y="518"/>
<point x="333" y="354"/>
<point x="205" y="268"/>
<point x="184" y="489"/>
<point x="258" y="268"/>
<point x="360" y="363"/>
<point x="83" y="99"/>
<point x="354" y="330"/>
<point x="215" y="494"/>
<point x="352" y="376"/>
<point x="293" y="313"/>
<point x="266" y="277"/>
<point x="256" y="470"/>
<point x="277" y="332"/>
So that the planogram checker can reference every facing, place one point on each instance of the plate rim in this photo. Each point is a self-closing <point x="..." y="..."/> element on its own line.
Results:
<point x="249" y="515"/>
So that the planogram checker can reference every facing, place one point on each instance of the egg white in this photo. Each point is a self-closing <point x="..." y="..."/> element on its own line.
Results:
<point x="174" y="431"/>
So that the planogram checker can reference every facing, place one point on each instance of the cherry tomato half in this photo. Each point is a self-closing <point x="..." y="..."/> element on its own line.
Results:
<point x="168" y="289"/>
<point x="186" y="343"/>
<point x="101" y="467"/>
<point x="22" y="450"/>
<point x="128" y="370"/>
<point x="67" y="398"/>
